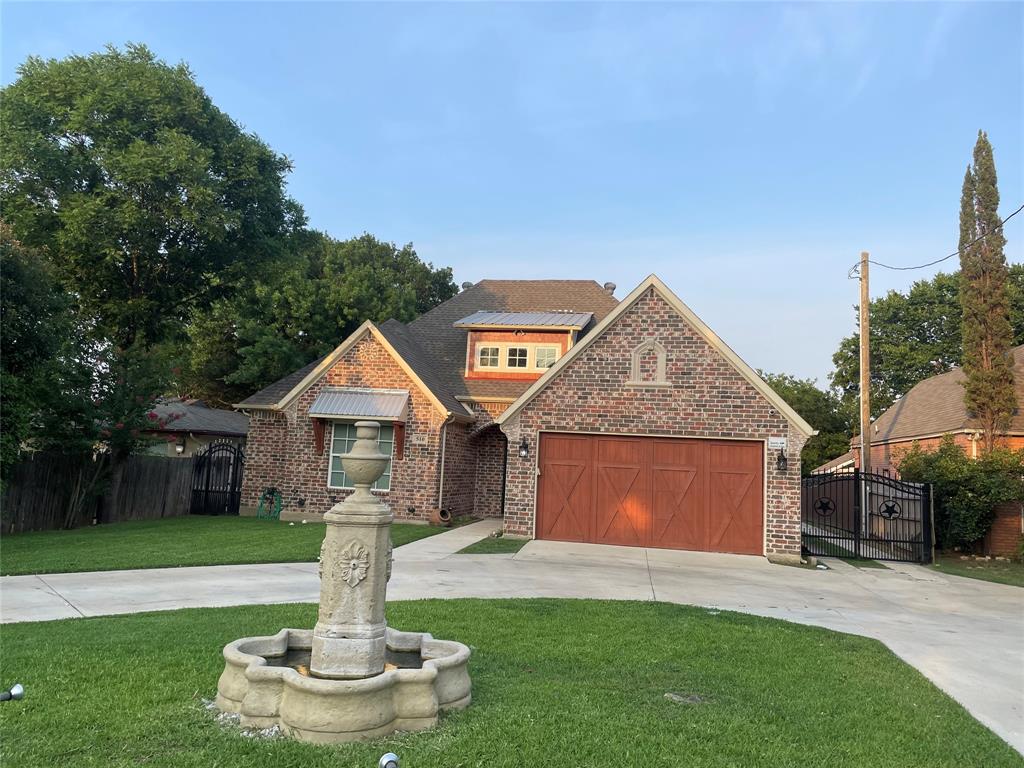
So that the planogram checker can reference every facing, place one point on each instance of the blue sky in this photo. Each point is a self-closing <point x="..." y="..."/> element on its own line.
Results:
<point x="746" y="153"/>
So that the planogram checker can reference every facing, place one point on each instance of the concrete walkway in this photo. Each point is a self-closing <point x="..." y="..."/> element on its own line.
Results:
<point x="967" y="636"/>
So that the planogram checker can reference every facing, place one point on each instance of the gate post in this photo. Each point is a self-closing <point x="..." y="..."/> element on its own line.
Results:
<point x="927" y="525"/>
<point x="857" y="499"/>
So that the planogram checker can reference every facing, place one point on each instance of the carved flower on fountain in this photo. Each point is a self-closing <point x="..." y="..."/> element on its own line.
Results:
<point x="354" y="563"/>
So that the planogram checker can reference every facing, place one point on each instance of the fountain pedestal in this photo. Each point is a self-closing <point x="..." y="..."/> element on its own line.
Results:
<point x="349" y="637"/>
<point x="346" y="693"/>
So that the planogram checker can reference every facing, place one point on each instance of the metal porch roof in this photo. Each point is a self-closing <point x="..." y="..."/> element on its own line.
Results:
<point x="357" y="403"/>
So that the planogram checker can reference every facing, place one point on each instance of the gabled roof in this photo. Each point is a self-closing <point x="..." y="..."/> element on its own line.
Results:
<point x="654" y="282"/>
<point x="433" y="350"/>
<point x="839" y="462"/>
<point x="935" y="406"/>
<point x="393" y="336"/>
<point x="445" y="344"/>
<point x="196" y="416"/>
<point x="272" y="394"/>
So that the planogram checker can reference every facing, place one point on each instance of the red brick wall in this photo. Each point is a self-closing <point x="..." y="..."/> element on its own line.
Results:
<point x="1003" y="537"/>
<point x="708" y="398"/>
<point x="281" y="449"/>
<point x="887" y="455"/>
<point x="459" y="469"/>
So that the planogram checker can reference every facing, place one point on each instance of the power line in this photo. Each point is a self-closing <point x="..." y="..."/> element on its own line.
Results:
<point x="855" y="267"/>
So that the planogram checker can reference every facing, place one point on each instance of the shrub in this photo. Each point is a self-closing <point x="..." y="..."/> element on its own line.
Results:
<point x="965" y="491"/>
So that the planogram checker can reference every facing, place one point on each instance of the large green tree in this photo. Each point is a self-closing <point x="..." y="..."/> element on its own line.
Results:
<point x="61" y="389"/>
<point x="914" y="335"/>
<point x="987" y="333"/>
<point x="822" y="410"/>
<point x="148" y="200"/>
<point x="303" y="309"/>
<point x="34" y="324"/>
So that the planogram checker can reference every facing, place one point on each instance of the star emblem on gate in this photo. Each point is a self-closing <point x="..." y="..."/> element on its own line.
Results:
<point x="889" y="509"/>
<point x="824" y="506"/>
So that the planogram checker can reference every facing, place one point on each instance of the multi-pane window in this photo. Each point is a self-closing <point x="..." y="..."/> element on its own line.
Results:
<point x="517" y="357"/>
<point x="488" y="357"/>
<point x="342" y="439"/>
<point x="545" y="357"/>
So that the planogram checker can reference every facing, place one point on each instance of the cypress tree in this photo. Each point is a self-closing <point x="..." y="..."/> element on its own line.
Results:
<point x="987" y="334"/>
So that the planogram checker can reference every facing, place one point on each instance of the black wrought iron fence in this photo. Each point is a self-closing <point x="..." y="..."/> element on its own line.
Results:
<point x="866" y="515"/>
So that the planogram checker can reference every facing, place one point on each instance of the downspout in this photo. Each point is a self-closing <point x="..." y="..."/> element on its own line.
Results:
<point x="444" y="434"/>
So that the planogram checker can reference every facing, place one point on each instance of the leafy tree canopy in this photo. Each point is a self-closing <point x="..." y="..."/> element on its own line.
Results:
<point x="914" y="335"/>
<point x="822" y="411"/>
<point x="303" y="309"/>
<point x="148" y="199"/>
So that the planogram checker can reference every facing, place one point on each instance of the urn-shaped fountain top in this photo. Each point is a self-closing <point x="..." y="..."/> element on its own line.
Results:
<point x="364" y="464"/>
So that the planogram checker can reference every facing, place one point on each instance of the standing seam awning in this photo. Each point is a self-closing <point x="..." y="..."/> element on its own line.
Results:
<point x="354" y="403"/>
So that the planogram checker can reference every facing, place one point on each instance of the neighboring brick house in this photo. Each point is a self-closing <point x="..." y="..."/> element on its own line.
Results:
<point x="932" y="409"/>
<point x="548" y="403"/>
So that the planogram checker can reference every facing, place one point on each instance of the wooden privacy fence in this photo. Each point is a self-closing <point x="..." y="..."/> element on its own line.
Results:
<point x="40" y="487"/>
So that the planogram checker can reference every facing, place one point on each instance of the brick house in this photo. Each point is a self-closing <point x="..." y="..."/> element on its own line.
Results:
<point x="548" y="403"/>
<point x="932" y="409"/>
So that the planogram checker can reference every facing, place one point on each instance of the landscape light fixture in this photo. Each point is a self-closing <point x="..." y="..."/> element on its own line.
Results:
<point x="13" y="693"/>
<point x="782" y="463"/>
<point x="524" y="449"/>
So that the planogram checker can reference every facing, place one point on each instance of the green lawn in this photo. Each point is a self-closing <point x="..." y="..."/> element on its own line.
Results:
<point x="999" y="571"/>
<point x="579" y="683"/>
<point x="494" y="546"/>
<point x="174" y="541"/>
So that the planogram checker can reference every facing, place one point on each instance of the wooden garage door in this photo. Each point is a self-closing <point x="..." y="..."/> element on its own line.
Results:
<point x="651" y="492"/>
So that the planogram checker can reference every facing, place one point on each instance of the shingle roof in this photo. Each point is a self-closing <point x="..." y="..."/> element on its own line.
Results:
<point x="405" y="344"/>
<point x="936" y="406"/>
<point x="273" y="393"/>
<point x="526" y="320"/>
<point x="436" y="350"/>
<point x="196" y="416"/>
<point x="446" y="345"/>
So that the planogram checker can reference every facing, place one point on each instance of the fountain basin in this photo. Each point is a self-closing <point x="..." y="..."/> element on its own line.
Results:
<point x="258" y="685"/>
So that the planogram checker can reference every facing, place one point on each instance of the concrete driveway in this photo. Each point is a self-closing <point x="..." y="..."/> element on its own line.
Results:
<point x="966" y="636"/>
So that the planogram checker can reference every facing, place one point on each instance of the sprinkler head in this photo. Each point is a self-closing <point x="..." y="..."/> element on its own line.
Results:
<point x="390" y="760"/>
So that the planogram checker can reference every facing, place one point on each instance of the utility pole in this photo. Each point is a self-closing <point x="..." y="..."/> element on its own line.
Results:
<point x="865" y="367"/>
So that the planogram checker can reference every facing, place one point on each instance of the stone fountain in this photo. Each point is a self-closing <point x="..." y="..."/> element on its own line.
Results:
<point x="350" y="677"/>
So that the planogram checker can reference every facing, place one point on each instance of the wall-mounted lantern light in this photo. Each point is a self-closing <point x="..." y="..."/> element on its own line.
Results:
<point x="179" y="447"/>
<point x="782" y="463"/>
<point x="524" y="449"/>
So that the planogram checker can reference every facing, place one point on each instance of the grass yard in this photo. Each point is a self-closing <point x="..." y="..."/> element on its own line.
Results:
<point x="555" y="682"/>
<point x="494" y="546"/>
<point x="1000" y="571"/>
<point x="172" y="542"/>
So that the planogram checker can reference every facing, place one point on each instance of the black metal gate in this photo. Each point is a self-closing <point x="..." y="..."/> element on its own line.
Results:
<point x="866" y="515"/>
<point x="217" y="479"/>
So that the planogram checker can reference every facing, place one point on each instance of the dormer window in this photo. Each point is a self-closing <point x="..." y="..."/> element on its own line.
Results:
<point x="517" y="357"/>
<point x="519" y="346"/>
<point x="546" y="357"/>
<point x="489" y="357"/>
